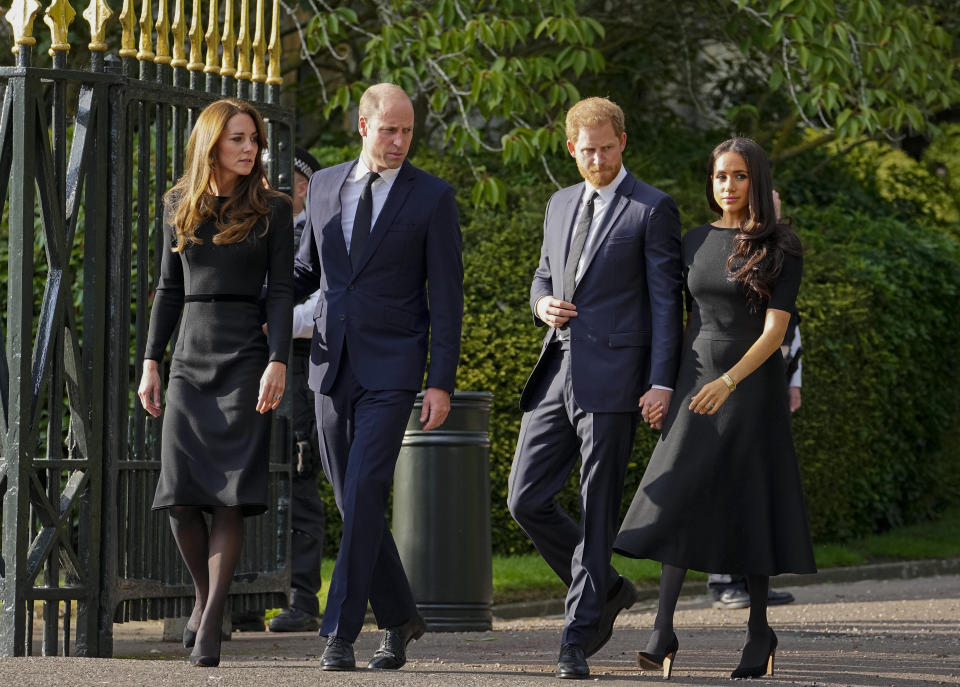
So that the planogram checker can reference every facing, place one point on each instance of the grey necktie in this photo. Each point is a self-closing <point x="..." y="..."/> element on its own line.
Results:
<point x="361" y="221"/>
<point x="576" y="247"/>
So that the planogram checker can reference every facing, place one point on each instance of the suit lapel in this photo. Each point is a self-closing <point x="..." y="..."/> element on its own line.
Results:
<point x="333" y="230"/>
<point x="399" y="191"/>
<point x="610" y="218"/>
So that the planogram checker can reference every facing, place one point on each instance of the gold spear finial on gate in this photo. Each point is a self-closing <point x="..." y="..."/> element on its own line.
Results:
<point x="243" y="46"/>
<point x="273" y="70"/>
<point x="20" y="16"/>
<point x="213" y="40"/>
<point x="229" y="41"/>
<point x="127" y="40"/>
<point x="97" y="14"/>
<point x="259" y="48"/>
<point x="196" y="39"/>
<point x="163" y="31"/>
<point x="145" y="53"/>
<point x="58" y="17"/>
<point x="179" y="28"/>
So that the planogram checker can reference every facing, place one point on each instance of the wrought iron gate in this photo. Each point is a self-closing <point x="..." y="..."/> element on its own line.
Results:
<point x="85" y="156"/>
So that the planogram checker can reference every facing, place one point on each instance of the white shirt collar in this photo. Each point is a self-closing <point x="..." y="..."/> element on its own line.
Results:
<point x="361" y="170"/>
<point x="606" y="192"/>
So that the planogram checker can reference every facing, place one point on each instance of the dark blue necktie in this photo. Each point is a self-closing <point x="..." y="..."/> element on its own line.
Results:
<point x="361" y="221"/>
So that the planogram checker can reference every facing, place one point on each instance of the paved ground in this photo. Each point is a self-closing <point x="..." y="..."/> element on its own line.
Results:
<point x="891" y="632"/>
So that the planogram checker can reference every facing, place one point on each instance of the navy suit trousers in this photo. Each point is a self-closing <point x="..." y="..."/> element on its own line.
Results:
<point x="360" y="436"/>
<point x="552" y="436"/>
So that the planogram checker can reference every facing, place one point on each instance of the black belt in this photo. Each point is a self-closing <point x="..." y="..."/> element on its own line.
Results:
<point x="220" y="298"/>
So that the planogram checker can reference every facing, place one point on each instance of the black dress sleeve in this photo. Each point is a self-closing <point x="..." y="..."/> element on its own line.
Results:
<point x="783" y="296"/>
<point x="280" y="280"/>
<point x="168" y="298"/>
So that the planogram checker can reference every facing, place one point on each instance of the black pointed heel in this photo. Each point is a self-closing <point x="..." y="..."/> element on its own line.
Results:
<point x="189" y="638"/>
<point x="765" y="668"/>
<point x="664" y="661"/>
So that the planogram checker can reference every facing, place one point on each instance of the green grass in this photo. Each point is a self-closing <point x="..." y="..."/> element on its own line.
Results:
<point x="935" y="539"/>
<point x="526" y="577"/>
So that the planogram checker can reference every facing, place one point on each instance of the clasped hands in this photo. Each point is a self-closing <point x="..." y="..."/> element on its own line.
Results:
<point x="555" y="312"/>
<point x="707" y="401"/>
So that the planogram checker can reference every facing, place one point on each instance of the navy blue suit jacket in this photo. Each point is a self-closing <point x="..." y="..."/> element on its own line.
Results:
<point x="628" y="330"/>
<point x="407" y="289"/>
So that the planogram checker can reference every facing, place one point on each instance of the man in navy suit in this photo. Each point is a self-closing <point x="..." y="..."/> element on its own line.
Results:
<point x="609" y="288"/>
<point x="382" y="243"/>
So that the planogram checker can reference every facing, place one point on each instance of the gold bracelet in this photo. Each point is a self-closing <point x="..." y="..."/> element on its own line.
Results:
<point x="728" y="380"/>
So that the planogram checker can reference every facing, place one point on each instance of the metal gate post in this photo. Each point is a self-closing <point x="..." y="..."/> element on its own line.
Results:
<point x="16" y="449"/>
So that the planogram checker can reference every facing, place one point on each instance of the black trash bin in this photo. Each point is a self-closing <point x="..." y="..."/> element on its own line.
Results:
<point x="441" y="515"/>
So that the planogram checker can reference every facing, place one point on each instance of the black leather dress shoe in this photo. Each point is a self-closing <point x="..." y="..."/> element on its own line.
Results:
<point x="338" y="655"/>
<point x="294" y="620"/>
<point x="776" y="597"/>
<point x="572" y="664"/>
<point x="392" y="653"/>
<point x="623" y="595"/>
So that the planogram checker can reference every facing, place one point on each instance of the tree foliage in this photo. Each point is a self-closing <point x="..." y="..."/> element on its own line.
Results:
<point x="487" y="75"/>
<point x="857" y="67"/>
<point x="497" y="75"/>
<point x="778" y="69"/>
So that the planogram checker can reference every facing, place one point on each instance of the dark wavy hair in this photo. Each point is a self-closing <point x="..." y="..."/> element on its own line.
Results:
<point x="763" y="239"/>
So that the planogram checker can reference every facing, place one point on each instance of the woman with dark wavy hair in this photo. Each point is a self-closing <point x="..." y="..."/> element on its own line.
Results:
<point x="225" y="233"/>
<point x="722" y="490"/>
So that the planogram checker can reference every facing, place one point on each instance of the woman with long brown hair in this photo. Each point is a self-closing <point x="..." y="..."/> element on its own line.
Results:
<point x="226" y="232"/>
<point x="722" y="490"/>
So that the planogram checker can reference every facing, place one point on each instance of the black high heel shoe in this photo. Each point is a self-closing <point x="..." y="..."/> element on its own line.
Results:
<point x="189" y="638"/>
<point x="205" y="661"/>
<point x="209" y="661"/>
<point x="650" y="661"/>
<point x="765" y="668"/>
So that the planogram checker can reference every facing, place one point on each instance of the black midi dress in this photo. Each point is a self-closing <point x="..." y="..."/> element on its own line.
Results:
<point x="214" y="449"/>
<point x="722" y="492"/>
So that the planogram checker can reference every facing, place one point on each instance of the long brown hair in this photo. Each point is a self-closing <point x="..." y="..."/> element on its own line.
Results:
<point x="190" y="201"/>
<point x="763" y="239"/>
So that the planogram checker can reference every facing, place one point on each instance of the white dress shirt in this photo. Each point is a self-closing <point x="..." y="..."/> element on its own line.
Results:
<point x="350" y="196"/>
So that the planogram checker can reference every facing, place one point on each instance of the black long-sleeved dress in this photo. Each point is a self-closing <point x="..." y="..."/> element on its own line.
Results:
<point x="214" y="450"/>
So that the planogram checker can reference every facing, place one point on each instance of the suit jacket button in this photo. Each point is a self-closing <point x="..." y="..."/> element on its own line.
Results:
<point x="343" y="317"/>
<point x="352" y="287"/>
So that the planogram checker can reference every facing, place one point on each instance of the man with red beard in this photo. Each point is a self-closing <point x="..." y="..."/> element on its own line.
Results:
<point x="609" y="289"/>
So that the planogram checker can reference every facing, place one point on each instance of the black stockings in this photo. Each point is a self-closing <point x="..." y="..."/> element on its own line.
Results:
<point x="211" y="557"/>
<point x="671" y="580"/>
<point x="757" y="645"/>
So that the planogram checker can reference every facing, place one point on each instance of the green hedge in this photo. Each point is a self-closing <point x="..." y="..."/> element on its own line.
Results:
<point x="881" y="330"/>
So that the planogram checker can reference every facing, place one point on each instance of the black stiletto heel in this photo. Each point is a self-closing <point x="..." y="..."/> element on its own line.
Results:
<point x="650" y="661"/>
<point x="765" y="668"/>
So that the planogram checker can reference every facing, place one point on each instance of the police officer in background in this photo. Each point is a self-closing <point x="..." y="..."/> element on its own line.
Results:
<point x="306" y="508"/>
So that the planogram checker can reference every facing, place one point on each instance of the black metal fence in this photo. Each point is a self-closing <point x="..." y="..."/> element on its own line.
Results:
<point x="85" y="156"/>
